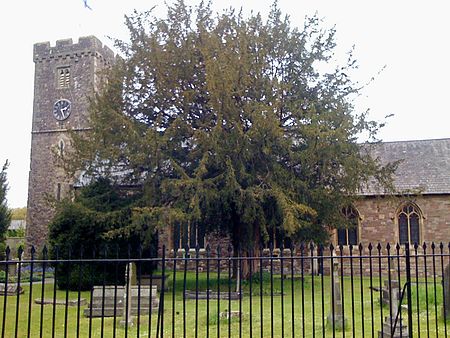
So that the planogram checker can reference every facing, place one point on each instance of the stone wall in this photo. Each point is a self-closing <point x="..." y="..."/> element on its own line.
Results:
<point x="377" y="226"/>
<point x="378" y="223"/>
<point x="47" y="180"/>
<point x="377" y="264"/>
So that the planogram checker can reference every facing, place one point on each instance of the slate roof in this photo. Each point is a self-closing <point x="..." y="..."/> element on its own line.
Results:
<point x="425" y="165"/>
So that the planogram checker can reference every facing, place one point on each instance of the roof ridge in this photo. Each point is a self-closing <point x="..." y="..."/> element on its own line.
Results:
<point x="418" y="140"/>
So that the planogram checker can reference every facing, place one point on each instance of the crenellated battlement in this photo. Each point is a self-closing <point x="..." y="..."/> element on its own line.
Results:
<point x="86" y="46"/>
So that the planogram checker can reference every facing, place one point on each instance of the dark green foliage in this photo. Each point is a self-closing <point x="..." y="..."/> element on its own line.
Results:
<point x="90" y="227"/>
<point x="15" y="233"/>
<point x="230" y="123"/>
<point x="5" y="213"/>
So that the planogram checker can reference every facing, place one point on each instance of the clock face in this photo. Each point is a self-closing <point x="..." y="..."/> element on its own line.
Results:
<point x="61" y="109"/>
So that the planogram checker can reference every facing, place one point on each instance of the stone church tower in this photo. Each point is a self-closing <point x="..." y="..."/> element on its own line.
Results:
<point x="65" y="76"/>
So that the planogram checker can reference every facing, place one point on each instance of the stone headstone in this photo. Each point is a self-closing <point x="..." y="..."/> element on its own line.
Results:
<point x="391" y="295"/>
<point x="130" y="278"/>
<point x="131" y="268"/>
<point x="392" y="284"/>
<point x="336" y="316"/>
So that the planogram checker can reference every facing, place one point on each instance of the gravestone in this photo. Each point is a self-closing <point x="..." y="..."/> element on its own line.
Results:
<point x="189" y="294"/>
<point x="114" y="296"/>
<point x="11" y="290"/>
<point x="70" y="302"/>
<point x="400" y="329"/>
<point x="336" y="314"/>
<point x="130" y="280"/>
<point x="393" y="284"/>
<point x="391" y="295"/>
<point x="109" y="301"/>
<point x="230" y="314"/>
<point x="446" y="306"/>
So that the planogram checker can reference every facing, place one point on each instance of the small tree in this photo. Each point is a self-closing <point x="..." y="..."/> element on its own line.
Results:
<point x="5" y="213"/>
<point x="90" y="226"/>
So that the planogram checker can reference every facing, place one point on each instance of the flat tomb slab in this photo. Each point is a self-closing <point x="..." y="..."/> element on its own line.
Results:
<point x="188" y="294"/>
<point x="11" y="290"/>
<point x="109" y="301"/>
<point x="71" y="302"/>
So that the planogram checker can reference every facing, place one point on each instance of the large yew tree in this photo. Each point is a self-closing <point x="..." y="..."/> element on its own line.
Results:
<point x="228" y="122"/>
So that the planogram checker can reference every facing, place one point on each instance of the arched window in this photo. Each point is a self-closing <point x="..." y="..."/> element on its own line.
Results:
<point x="409" y="224"/>
<point x="61" y="147"/>
<point x="349" y="235"/>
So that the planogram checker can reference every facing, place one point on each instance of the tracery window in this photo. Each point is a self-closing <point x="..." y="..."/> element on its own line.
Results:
<point x="349" y="235"/>
<point x="409" y="224"/>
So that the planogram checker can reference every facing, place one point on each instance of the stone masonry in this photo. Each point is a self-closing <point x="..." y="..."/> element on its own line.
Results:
<point x="47" y="181"/>
<point x="379" y="224"/>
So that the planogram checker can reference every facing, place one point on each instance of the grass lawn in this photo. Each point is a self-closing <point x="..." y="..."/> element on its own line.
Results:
<point x="310" y="299"/>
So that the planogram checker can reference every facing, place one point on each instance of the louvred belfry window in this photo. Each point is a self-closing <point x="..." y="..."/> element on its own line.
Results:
<point x="64" y="77"/>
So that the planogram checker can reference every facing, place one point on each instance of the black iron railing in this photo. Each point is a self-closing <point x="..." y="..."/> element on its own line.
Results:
<point x="304" y="291"/>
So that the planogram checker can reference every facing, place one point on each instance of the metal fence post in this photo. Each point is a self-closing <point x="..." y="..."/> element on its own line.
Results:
<point x="408" y="290"/>
<point x="163" y="284"/>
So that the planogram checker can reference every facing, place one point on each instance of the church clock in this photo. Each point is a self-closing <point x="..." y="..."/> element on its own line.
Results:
<point x="61" y="109"/>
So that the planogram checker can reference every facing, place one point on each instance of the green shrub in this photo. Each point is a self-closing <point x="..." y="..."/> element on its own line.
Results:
<point x="82" y="277"/>
<point x="82" y="228"/>
<point x="15" y="232"/>
<point x="256" y="277"/>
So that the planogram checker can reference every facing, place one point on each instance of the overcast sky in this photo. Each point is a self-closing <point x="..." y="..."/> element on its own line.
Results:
<point x="410" y="38"/>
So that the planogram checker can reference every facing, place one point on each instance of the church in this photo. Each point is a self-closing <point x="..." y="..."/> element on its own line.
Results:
<point x="68" y="73"/>
<point x="421" y="210"/>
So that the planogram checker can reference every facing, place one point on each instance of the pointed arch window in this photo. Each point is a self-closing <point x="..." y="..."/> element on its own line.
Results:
<point x="61" y="147"/>
<point x="409" y="218"/>
<point x="349" y="235"/>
